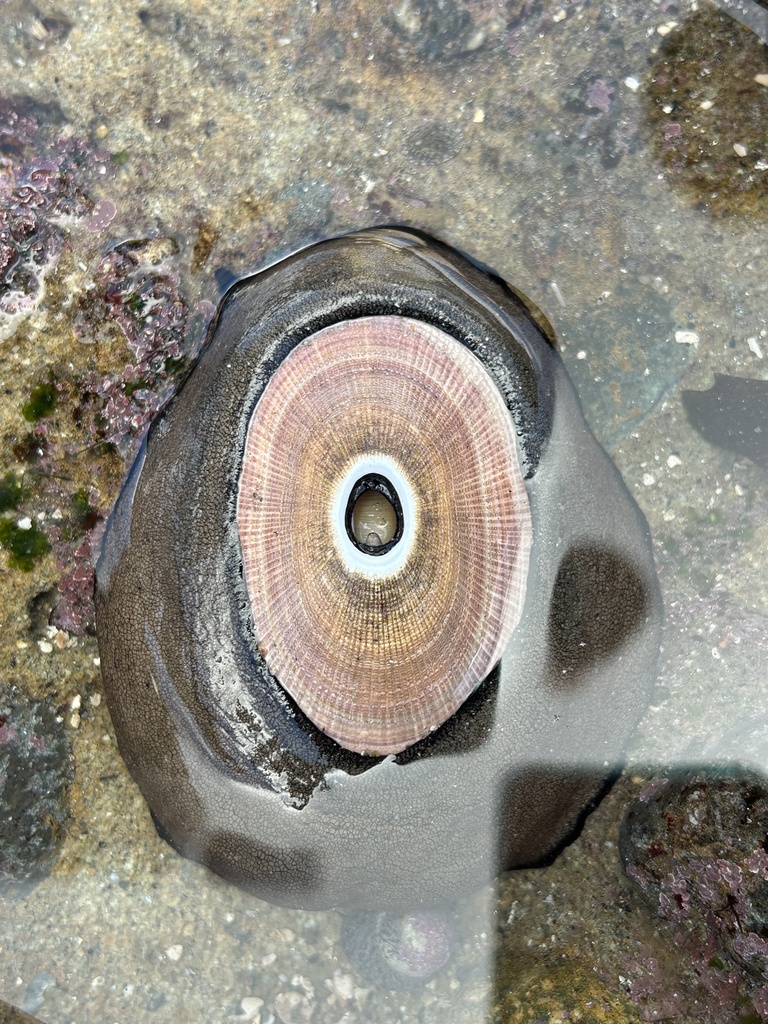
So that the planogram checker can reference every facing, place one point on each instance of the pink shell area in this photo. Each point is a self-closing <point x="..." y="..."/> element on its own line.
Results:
<point x="377" y="662"/>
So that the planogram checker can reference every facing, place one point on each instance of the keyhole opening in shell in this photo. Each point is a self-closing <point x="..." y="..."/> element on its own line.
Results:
<point x="374" y="516"/>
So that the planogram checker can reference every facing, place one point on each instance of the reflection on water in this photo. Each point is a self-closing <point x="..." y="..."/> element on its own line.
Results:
<point x="608" y="161"/>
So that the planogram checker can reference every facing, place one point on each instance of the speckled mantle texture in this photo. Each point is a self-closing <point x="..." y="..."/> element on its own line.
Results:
<point x="609" y="160"/>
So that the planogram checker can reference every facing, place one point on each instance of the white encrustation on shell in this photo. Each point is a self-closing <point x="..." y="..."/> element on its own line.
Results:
<point x="380" y="643"/>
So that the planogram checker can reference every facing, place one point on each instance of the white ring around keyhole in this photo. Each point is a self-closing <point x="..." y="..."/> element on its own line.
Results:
<point x="359" y="561"/>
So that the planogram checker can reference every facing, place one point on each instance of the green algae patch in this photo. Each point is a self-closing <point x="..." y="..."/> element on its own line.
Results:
<point x="84" y="515"/>
<point x="24" y="546"/>
<point x="42" y="402"/>
<point x="10" y="491"/>
<point x="751" y="1018"/>
<point x="528" y="991"/>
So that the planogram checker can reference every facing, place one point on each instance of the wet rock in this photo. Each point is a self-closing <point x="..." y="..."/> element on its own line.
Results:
<point x="29" y="32"/>
<point x="622" y="357"/>
<point x="539" y="991"/>
<point x="597" y="126"/>
<point x="36" y="769"/>
<point x="33" y="995"/>
<point x="293" y="1007"/>
<point x="307" y="202"/>
<point x="732" y="414"/>
<point x="437" y="29"/>
<point x="706" y="114"/>
<point x="697" y="849"/>
<point x="10" y="1015"/>
<point x="217" y="54"/>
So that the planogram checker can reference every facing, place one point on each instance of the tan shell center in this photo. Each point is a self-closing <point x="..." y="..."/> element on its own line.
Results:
<point x="378" y="661"/>
<point x="374" y="520"/>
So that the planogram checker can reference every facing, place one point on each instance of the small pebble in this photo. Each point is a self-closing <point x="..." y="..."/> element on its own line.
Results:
<point x="479" y="116"/>
<point x="38" y="30"/>
<point x="739" y="150"/>
<point x="251" y="1007"/>
<point x="754" y="347"/>
<point x="665" y="29"/>
<point x="293" y="1007"/>
<point x="343" y="985"/>
<point x="648" y="479"/>
<point x="706" y="104"/>
<point x="669" y="515"/>
<point x="174" y="952"/>
<point x="299" y="981"/>
<point x="45" y="646"/>
<point x="632" y="83"/>
<point x="673" y="461"/>
<point x="687" y="338"/>
<point x="762" y="80"/>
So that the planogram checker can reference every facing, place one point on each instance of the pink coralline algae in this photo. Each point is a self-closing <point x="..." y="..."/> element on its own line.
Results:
<point x="30" y="243"/>
<point x="18" y="125"/>
<point x="103" y="214"/>
<point x="697" y="849"/>
<point x="133" y="307"/>
<point x="74" y="611"/>
<point x="136" y="290"/>
<point x="135" y="300"/>
<point x="599" y="95"/>
<point x="41" y="182"/>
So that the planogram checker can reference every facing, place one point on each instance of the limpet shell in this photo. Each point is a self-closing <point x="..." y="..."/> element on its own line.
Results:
<point x="380" y="651"/>
<point x="232" y="588"/>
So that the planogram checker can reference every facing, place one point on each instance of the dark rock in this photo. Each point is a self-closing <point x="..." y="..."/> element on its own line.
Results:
<point x="36" y="769"/>
<point x="733" y="415"/>
<point x="697" y="847"/>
